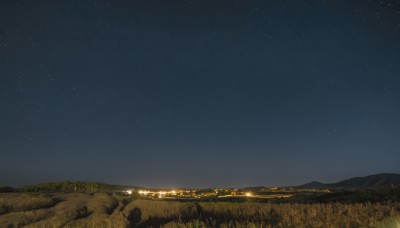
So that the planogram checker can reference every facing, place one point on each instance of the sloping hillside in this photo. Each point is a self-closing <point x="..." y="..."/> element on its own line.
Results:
<point x="382" y="180"/>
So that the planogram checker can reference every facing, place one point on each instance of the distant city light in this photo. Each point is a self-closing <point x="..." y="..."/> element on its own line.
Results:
<point x="142" y="192"/>
<point x="161" y="194"/>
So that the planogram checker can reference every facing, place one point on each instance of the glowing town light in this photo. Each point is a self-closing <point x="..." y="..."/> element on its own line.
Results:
<point x="161" y="194"/>
<point x="141" y="192"/>
<point x="129" y="192"/>
<point x="248" y="194"/>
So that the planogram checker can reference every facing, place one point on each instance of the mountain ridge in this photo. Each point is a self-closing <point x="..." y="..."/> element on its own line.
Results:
<point x="380" y="180"/>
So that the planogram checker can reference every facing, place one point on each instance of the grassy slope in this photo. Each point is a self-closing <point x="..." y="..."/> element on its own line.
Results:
<point x="105" y="210"/>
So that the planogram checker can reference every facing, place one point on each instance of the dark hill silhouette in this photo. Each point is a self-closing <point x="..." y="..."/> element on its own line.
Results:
<point x="382" y="180"/>
<point x="73" y="186"/>
<point x="313" y="184"/>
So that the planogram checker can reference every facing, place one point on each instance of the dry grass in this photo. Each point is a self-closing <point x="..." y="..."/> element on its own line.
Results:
<point x="300" y="215"/>
<point x="77" y="209"/>
<point x="103" y="210"/>
<point x="250" y="214"/>
<point x="71" y="207"/>
<point x="61" y="210"/>
<point x="162" y="209"/>
<point x="102" y="203"/>
<point x="17" y="202"/>
<point x="18" y="219"/>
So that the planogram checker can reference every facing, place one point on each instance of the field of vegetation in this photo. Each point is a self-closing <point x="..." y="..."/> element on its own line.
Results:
<point x="108" y="210"/>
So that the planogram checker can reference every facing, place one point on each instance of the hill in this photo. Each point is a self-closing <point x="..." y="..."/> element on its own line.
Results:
<point x="313" y="184"/>
<point x="72" y="186"/>
<point x="382" y="180"/>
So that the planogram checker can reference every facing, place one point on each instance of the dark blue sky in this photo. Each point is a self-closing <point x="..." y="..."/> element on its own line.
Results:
<point x="198" y="93"/>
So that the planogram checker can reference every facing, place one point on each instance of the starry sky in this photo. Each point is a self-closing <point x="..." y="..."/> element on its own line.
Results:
<point x="198" y="93"/>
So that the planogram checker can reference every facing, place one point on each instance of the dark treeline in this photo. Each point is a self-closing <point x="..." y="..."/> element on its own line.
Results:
<point x="6" y="189"/>
<point x="68" y="186"/>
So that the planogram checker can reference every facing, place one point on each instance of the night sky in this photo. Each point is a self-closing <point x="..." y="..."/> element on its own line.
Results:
<point x="199" y="93"/>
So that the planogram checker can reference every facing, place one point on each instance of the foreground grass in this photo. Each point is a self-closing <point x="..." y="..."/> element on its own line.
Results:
<point x="250" y="214"/>
<point x="105" y="210"/>
<point x="14" y="202"/>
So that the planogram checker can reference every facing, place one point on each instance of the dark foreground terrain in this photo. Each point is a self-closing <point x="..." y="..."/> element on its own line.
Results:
<point x="108" y="210"/>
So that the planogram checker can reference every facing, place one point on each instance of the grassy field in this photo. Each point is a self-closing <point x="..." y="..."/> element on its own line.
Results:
<point x="105" y="210"/>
